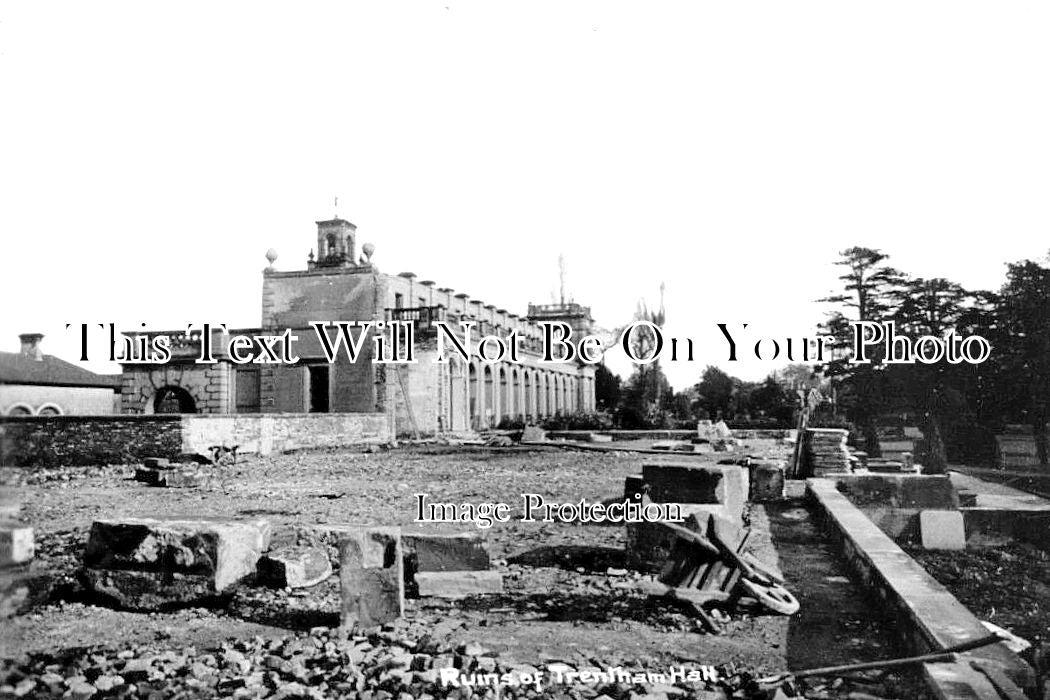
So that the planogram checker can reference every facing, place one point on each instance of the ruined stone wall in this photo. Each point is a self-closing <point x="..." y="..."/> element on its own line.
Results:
<point x="83" y="440"/>
<point x="93" y="440"/>
<point x="266" y="433"/>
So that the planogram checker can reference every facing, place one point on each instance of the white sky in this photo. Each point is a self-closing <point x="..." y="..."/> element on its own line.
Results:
<point x="150" y="154"/>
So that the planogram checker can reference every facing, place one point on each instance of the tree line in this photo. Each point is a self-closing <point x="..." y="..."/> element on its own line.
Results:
<point x="959" y="407"/>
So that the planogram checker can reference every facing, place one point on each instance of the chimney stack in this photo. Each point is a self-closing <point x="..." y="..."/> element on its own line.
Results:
<point x="31" y="345"/>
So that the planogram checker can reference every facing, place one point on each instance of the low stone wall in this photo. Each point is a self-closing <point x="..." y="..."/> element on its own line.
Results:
<point x="263" y="433"/>
<point x="929" y="617"/>
<point x="894" y="501"/>
<point x="84" y="440"/>
<point x="48" y="441"/>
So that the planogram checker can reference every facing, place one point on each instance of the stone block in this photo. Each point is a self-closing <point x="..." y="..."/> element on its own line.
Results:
<point x="146" y="563"/>
<point x="294" y="566"/>
<point x="180" y="478"/>
<point x="171" y="477"/>
<point x="942" y="529"/>
<point x="599" y="437"/>
<point x="156" y="463"/>
<point x="900" y="490"/>
<point x="633" y="486"/>
<point x="16" y="544"/>
<point x="698" y="483"/>
<point x="458" y="584"/>
<point x="464" y="551"/>
<point x="147" y="475"/>
<point x="767" y="481"/>
<point x="371" y="576"/>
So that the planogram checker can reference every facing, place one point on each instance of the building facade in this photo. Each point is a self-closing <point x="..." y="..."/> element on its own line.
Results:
<point x="427" y="397"/>
<point x="35" y="384"/>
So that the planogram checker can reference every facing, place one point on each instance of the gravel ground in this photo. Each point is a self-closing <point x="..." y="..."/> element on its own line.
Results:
<point x="569" y="601"/>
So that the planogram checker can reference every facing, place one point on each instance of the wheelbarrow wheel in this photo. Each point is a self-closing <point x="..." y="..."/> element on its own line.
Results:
<point x="773" y="596"/>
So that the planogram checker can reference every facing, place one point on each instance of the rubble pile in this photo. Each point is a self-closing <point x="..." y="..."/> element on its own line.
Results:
<point x="826" y="451"/>
<point x="398" y="661"/>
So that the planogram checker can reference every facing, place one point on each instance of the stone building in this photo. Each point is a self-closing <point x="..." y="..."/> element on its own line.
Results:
<point x="341" y="284"/>
<point x="35" y="384"/>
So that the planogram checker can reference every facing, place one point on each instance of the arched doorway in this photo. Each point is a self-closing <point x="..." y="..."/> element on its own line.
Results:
<point x="173" y="399"/>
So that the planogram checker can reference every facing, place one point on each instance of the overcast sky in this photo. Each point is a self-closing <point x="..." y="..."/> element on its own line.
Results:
<point x="150" y="154"/>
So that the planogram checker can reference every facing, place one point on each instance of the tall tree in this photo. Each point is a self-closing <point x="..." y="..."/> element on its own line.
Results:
<point x="606" y="388"/>
<point x="932" y="307"/>
<point x="1023" y="348"/>
<point x="871" y="290"/>
<point x="715" y="392"/>
<point x="647" y="394"/>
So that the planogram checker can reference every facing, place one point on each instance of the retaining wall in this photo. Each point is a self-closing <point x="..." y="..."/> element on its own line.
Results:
<point x="929" y="617"/>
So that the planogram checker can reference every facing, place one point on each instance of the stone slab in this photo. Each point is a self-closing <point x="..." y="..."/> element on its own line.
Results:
<point x="464" y="551"/>
<point x="294" y="566"/>
<point x="171" y="476"/>
<point x="989" y="527"/>
<point x="942" y="529"/>
<point x="146" y="563"/>
<point x="767" y="480"/>
<point x="458" y="584"/>
<point x="16" y="544"/>
<point x="958" y="681"/>
<point x="678" y="482"/>
<point x="928" y="492"/>
<point x="371" y="576"/>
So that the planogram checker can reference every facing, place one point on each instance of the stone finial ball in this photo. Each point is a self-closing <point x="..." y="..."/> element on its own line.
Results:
<point x="368" y="249"/>
<point x="271" y="255"/>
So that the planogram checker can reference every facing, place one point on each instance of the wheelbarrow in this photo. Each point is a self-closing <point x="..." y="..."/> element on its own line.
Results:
<point x="709" y="567"/>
